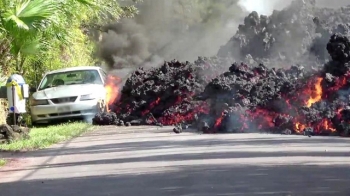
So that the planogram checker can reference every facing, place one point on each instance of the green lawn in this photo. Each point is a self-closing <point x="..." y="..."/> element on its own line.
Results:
<point x="2" y="162"/>
<point x="45" y="137"/>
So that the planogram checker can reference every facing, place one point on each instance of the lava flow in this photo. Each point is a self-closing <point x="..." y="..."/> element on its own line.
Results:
<point x="164" y="95"/>
<point x="258" y="92"/>
<point x="167" y="95"/>
<point x="282" y="102"/>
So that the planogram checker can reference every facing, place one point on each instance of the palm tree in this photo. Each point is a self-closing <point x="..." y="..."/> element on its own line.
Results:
<point x="21" y="24"/>
<point x="31" y="29"/>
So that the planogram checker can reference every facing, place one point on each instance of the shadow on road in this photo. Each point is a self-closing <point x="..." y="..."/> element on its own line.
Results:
<point x="198" y="181"/>
<point x="157" y="164"/>
<point x="195" y="155"/>
<point x="113" y="145"/>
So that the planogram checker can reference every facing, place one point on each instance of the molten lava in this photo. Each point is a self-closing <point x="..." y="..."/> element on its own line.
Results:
<point x="325" y="125"/>
<point x="265" y="119"/>
<point x="295" y="111"/>
<point x="219" y="120"/>
<point x="299" y="127"/>
<point x="339" y="83"/>
<point x="152" y="105"/>
<point x="262" y="117"/>
<point x="315" y="93"/>
<point x="181" y="114"/>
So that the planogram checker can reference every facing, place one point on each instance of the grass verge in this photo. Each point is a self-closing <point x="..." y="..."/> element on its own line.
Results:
<point x="45" y="137"/>
<point x="2" y="162"/>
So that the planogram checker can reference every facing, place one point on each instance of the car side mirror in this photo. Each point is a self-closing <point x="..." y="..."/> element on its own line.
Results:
<point x="32" y="89"/>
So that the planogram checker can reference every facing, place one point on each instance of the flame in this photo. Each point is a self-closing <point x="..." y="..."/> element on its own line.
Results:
<point x="112" y="87"/>
<point x="323" y="125"/>
<point x="316" y="93"/>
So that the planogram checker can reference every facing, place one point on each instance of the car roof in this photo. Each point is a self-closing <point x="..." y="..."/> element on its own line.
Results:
<point x="79" y="68"/>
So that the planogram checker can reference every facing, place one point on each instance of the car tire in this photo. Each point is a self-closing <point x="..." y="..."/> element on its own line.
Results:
<point x="38" y="125"/>
<point x="35" y="124"/>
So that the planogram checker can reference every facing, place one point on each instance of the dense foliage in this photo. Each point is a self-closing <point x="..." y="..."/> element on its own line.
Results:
<point x="41" y="35"/>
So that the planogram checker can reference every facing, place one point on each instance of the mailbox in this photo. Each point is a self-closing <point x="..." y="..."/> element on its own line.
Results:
<point x="17" y="93"/>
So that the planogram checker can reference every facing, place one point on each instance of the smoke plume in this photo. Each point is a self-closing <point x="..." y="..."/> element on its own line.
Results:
<point x="179" y="29"/>
<point x="123" y="44"/>
<point x="167" y="30"/>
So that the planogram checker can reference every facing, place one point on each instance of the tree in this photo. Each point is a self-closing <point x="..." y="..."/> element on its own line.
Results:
<point x="21" y="24"/>
<point x="50" y="33"/>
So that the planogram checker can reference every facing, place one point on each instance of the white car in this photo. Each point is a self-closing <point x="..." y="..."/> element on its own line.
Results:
<point x="68" y="93"/>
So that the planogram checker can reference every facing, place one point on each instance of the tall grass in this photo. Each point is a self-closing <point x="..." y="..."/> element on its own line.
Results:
<point x="44" y="137"/>
<point x="3" y="102"/>
<point x="2" y="162"/>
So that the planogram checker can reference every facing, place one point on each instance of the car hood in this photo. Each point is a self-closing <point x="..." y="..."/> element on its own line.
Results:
<point x="69" y="91"/>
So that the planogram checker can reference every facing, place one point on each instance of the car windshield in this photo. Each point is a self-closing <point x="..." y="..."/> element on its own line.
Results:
<point x="71" y="78"/>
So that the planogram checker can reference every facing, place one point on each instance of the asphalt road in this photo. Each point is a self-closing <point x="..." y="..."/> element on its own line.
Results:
<point x="150" y="162"/>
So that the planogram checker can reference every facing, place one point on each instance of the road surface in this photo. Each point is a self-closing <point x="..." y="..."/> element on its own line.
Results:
<point x="156" y="162"/>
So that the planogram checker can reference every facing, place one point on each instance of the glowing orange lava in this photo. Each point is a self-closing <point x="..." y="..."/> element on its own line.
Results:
<point x="299" y="127"/>
<point x="152" y="105"/>
<point x="325" y="125"/>
<point x="316" y="93"/>
<point x="219" y="120"/>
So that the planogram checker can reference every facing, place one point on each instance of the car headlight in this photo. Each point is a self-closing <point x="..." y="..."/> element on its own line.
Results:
<point x="91" y="96"/>
<point x="35" y="102"/>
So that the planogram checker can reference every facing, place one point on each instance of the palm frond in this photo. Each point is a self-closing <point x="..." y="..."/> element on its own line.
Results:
<point x="31" y="47"/>
<point x="29" y="12"/>
<point x="2" y="80"/>
<point x="87" y="2"/>
<point x="19" y="23"/>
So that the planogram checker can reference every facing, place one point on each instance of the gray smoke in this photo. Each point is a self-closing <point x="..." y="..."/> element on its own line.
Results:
<point x="167" y="30"/>
<point x="178" y="29"/>
<point x="123" y="44"/>
<point x="332" y="4"/>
